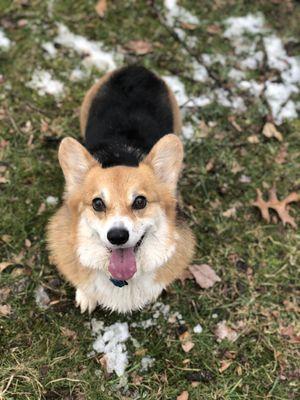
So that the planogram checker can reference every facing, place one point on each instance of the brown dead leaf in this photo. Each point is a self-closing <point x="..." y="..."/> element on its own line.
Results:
<point x="27" y="243"/>
<point x="290" y="332"/>
<point x="136" y="379"/>
<point x="205" y="276"/>
<point x="224" y="365"/>
<point x="282" y="155"/>
<point x="270" y="130"/>
<point x="42" y="208"/>
<point x="3" y="180"/>
<point x="230" y="213"/>
<point x="101" y="8"/>
<point x="236" y="167"/>
<point x="139" y="47"/>
<point x="141" y="352"/>
<point x="233" y="122"/>
<point x="187" y="347"/>
<point x="4" y="293"/>
<point x="186" y="342"/>
<point x="210" y="165"/>
<point x="183" y="396"/>
<point x="3" y="143"/>
<point x="291" y="306"/>
<point x="188" y="26"/>
<point x="279" y="206"/>
<point x="223" y="331"/>
<point x="5" y="310"/>
<point x="6" y="238"/>
<point x="253" y="139"/>
<point x="213" y="29"/>
<point x="4" y="265"/>
<point x="203" y="129"/>
<point x="68" y="333"/>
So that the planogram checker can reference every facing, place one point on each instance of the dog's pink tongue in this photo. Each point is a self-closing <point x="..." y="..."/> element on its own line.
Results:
<point x="122" y="264"/>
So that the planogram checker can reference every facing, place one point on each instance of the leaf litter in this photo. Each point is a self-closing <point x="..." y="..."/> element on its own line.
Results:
<point x="280" y="206"/>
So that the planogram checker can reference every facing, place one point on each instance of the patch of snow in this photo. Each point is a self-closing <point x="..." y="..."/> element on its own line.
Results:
<point x="236" y="74"/>
<point x="249" y="24"/>
<point x="92" y="52"/>
<point x="51" y="201"/>
<point x="253" y="61"/>
<point x="253" y="87"/>
<point x="41" y="298"/>
<point x="276" y="54"/>
<point x="50" y="49"/>
<point x="43" y="83"/>
<point x="97" y="326"/>
<point x="288" y="111"/>
<point x="175" y="12"/>
<point x="77" y="75"/>
<point x="279" y="60"/>
<point x="203" y="100"/>
<point x="277" y="96"/>
<point x="222" y="97"/>
<point x="199" y="72"/>
<point x="5" y="43"/>
<point x="210" y="59"/>
<point x="146" y="363"/>
<point x="111" y="342"/>
<point x="188" y="131"/>
<point x="237" y="103"/>
<point x="197" y="329"/>
<point x="178" y="88"/>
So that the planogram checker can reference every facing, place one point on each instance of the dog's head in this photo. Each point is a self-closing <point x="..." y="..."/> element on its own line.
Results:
<point x="124" y="217"/>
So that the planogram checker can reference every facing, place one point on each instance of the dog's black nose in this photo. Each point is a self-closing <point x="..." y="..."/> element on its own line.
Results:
<point x="118" y="236"/>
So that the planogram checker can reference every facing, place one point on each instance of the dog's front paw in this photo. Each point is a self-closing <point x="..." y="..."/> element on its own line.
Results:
<point x="85" y="302"/>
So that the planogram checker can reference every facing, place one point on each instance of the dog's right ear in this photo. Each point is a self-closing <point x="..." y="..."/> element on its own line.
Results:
<point x="75" y="162"/>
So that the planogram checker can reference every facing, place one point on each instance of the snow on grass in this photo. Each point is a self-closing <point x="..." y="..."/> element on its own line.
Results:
<point x="200" y="73"/>
<point x="249" y="24"/>
<point x="174" y="13"/>
<point x="43" y="83"/>
<point x="51" y="201"/>
<point x="146" y="363"/>
<point x="111" y="341"/>
<point x="92" y="52"/>
<point x="5" y="43"/>
<point x="50" y="49"/>
<point x="277" y="95"/>
<point x="78" y="75"/>
<point x="197" y="329"/>
<point x="279" y="60"/>
<point x="178" y="89"/>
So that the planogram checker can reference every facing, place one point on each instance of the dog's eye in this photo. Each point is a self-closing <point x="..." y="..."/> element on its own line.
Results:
<point x="98" y="204"/>
<point x="139" y="203"/>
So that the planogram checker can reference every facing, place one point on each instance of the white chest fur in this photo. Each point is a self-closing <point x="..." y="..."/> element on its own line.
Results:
<point x="100" y="290"/>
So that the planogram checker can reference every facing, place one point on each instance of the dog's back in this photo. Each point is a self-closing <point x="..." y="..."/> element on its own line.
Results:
<point x="125" y="114"/>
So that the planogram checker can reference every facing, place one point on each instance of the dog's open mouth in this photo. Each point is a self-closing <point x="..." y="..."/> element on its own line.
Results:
<point x="122" y="263"/>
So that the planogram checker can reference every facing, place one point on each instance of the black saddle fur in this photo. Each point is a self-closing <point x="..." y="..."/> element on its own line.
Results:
<point x="129" y="114"/>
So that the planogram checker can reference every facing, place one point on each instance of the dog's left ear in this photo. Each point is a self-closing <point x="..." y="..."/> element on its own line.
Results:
<point x="166" y="158"/>
<point x="75" y="162"/>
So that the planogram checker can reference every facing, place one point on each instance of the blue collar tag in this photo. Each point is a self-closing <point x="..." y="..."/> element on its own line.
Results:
<point x="118" y="283"/>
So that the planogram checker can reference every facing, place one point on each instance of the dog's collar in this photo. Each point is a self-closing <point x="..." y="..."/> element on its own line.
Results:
<point x="118" y="283"/>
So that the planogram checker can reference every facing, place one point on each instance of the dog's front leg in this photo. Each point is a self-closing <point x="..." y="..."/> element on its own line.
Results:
<point x="85" y="300"/>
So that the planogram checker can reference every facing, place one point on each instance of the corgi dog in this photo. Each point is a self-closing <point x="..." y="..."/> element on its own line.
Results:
<point x="117" y="237"/>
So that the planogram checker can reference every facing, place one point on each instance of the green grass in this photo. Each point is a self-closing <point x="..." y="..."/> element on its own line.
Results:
<point x="257" y="262"/>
